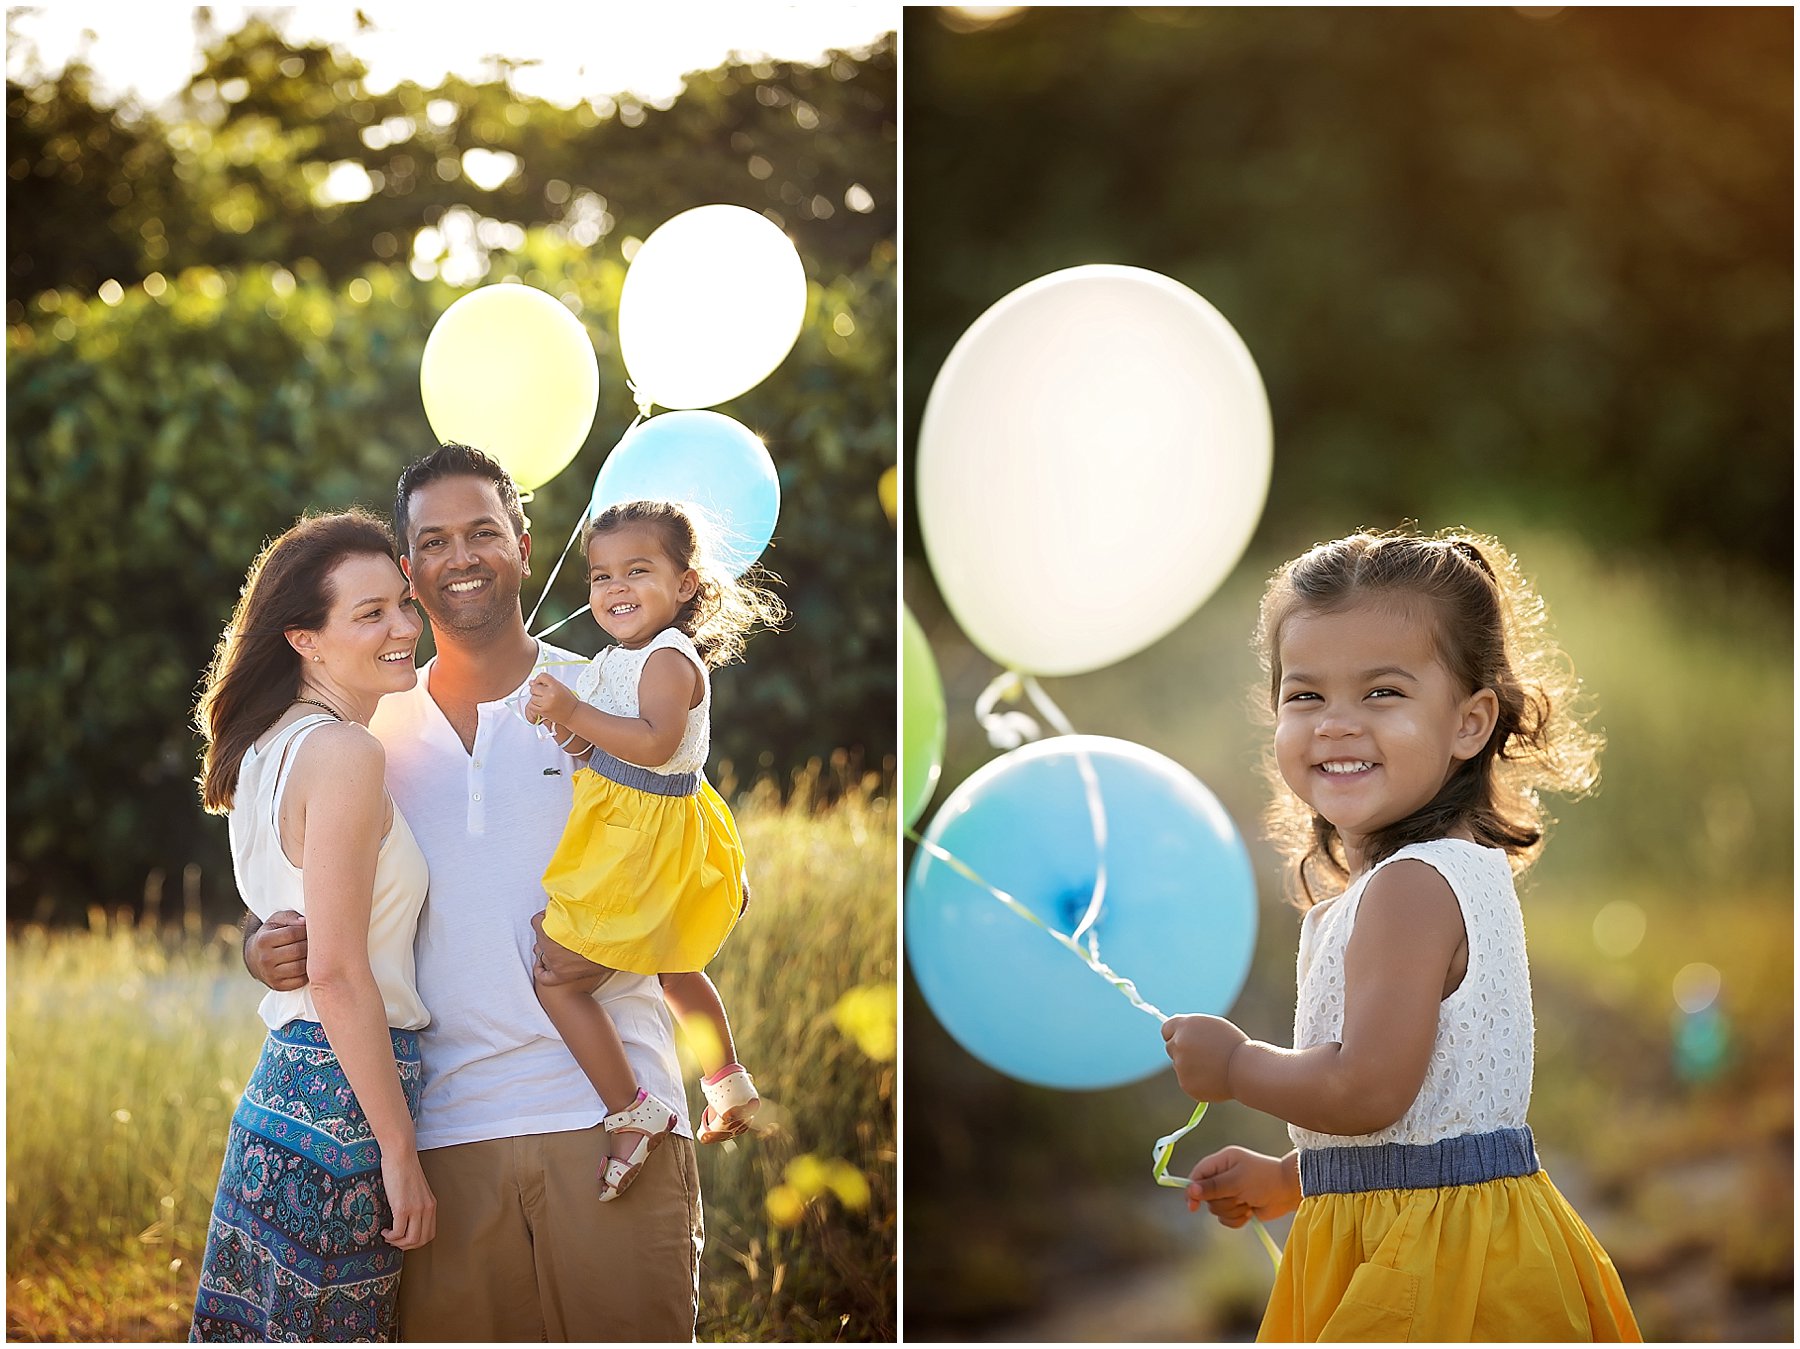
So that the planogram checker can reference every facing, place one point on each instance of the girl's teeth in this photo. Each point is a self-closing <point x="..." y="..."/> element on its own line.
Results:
<point x="1346" y="767"/>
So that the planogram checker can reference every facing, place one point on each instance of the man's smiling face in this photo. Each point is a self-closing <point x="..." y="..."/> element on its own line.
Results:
<point x="464" y="561"/>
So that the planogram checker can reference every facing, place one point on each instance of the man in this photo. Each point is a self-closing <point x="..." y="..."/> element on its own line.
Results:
<point x="508" y="1126"/>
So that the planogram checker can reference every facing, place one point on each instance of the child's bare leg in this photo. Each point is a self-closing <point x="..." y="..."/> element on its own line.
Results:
<point x="731" y="1097"/>
<point x="697" y="1006"/>
<point x="589" y="1032"/>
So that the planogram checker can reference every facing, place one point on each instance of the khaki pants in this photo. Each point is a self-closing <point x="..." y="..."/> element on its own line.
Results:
<point x="524" y="1251"/>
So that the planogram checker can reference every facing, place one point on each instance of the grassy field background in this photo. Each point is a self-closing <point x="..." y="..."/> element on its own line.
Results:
<point x="127" y="1047"/>
<point x="1661" y="937"/>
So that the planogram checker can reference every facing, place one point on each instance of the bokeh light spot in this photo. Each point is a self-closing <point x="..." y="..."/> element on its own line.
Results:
<point x="1619" y="928"/>
<point x="974" y="18"/>
<point x="1696" y="987"/>
<point x="488" y="169"/>
<point x="348" y="181"/>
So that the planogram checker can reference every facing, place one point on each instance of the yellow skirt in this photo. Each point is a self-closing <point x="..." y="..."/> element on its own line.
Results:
<point x="644" y="882"/>
<point x="1501" y="1260"/>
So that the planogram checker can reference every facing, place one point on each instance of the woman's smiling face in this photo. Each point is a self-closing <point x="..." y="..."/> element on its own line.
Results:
<point x="371" y="631"/>
<point x="1369" y="723"/>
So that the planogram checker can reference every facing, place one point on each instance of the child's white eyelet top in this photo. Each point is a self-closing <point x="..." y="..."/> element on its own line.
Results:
<point x="610" y="683"/>
<point x="1479" y="1078"/>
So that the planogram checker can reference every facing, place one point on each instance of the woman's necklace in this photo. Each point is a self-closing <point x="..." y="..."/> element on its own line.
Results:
<point x="316" y="703"/>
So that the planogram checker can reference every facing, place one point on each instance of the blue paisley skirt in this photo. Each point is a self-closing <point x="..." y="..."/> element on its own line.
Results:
<point x="294" y="1248"/>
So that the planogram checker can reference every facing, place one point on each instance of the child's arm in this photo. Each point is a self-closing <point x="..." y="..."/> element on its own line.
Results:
<point x="668" y="688"/>
<point x="1408" y="931"/>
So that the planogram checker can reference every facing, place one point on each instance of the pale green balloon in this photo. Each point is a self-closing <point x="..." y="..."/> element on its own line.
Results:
<point x="509" y="370"/>
<point x="921" y="720"/>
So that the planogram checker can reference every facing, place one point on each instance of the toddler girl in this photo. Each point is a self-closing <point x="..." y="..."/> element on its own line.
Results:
<point x="1418" y="706"/>
<point x="649" y="876"/>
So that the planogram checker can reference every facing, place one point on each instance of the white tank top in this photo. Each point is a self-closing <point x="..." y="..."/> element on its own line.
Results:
<point x="269" y="882"/>
<point x="1479" y="1077"/>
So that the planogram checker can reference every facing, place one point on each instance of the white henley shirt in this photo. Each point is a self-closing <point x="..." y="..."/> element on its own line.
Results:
<point x="488" y="821"/>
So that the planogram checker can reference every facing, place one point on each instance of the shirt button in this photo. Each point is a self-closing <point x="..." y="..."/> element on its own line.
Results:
<point x="476" y="797"/>
<point x="478" y="763"/>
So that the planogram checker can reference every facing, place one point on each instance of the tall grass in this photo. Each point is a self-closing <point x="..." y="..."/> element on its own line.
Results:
<point x="127" y="1048"/>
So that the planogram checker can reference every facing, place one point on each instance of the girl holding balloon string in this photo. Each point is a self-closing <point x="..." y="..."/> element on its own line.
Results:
<point x="649" y="876"/>
<point x="1419" y="706"/>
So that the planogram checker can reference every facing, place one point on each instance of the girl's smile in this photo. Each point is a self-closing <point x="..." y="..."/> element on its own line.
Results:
<point x="1369" y="723"/>
<point x="634" y="587"/>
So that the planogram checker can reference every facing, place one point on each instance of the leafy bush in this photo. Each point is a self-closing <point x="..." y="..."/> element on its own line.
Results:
<point x="155" y="443"/>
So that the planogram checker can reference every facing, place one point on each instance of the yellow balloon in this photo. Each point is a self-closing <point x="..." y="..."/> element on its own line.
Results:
<point x="890" y="493"/>
<point x="509" y="370"/>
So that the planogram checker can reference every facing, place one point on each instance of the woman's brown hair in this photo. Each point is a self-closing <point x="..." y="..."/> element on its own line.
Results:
<point x="255" y="673"/>
<point x="1488" y="626"/>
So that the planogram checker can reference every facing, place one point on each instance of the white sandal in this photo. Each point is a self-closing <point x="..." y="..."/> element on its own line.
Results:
<point x="650" y="1119"/>
<point x="730" y="1102"/>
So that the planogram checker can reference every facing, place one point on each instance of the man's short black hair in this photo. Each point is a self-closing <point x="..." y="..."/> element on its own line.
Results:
<point x="451" y="460"/>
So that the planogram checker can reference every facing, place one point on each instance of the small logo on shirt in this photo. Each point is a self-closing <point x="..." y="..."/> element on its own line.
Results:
<point x="553" y="772"/>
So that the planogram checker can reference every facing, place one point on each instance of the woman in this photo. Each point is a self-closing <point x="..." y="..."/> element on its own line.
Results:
<point x="321" y="1149"/>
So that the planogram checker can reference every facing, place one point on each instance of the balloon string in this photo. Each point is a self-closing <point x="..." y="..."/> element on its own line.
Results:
<point x="1005" y="730"/>
<point x="559" y="622"/>
<point x="1164" y="1147"/>
<point x="1090" y="780"/>
<point x="563" y="556"/>
<point x="1160" y="1151"/>
<point x="1093" y="962"/>
<point x="1009" y="730"/>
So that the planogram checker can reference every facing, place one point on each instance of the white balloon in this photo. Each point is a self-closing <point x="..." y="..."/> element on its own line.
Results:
<point x="1092" y="462"/>
<point x="712" y="303"/>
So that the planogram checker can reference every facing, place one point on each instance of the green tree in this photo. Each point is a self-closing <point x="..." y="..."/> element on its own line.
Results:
<point x="160" y="431"/>
<point x="240" y="173"/>
<point x="1475" y="253"/>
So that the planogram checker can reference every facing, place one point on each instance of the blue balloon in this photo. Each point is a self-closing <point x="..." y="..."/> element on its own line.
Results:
<point x="703" y="459"/>
<point x="1178" y="919"/>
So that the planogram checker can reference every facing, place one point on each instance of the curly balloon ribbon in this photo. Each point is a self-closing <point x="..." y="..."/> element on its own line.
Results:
<point x="1008" y="730"/>
<point x="1164" y="1147"/>
<point x="1160" y="1152"/>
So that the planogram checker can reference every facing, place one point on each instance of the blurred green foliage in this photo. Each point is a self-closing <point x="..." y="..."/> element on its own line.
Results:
<point x="236" y="173"/>
<point x="1475" y="253"/>
<point x="219" y="383"/>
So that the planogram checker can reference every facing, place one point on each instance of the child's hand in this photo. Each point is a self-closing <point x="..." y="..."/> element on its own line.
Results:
<point x="551" y="700"/>
<point x="1201" y="1048"/>
<point x="1237" y="1184"/>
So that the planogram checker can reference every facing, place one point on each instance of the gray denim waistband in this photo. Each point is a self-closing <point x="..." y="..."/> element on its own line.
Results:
<point x="1468" y="1160"/>
<point x="644" y="779"/>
